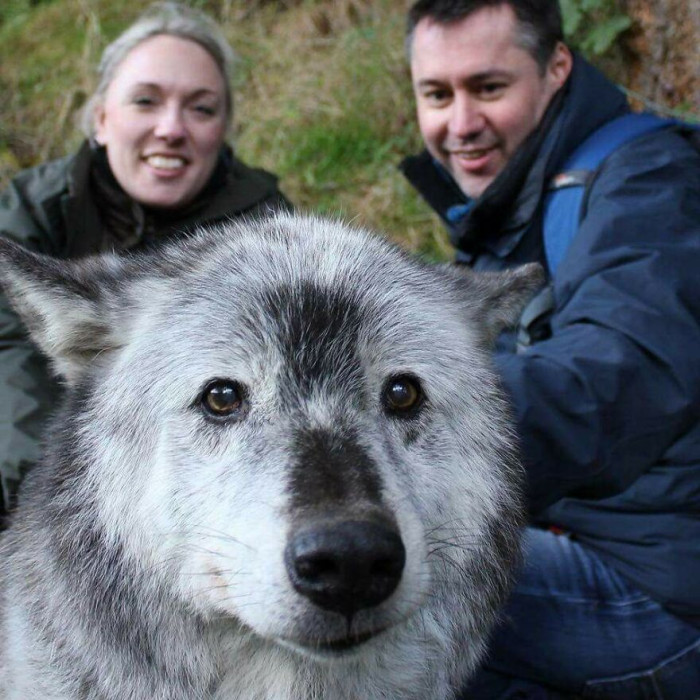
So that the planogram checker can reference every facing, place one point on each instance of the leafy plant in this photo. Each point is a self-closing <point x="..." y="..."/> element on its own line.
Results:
<point x="593" y="25"/>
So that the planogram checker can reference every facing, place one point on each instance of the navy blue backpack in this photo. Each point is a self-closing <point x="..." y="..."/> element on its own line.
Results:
<point x="563" y="205"/>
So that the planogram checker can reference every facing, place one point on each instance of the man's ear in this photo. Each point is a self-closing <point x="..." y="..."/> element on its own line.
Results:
<point x="494" y="301"/>
<point x="64" y="305"/>
<point x="559" y="66"/>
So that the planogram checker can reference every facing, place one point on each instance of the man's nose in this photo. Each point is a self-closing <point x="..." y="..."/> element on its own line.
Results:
<point x="466" y="118"/>
<point x="171" y="124"/>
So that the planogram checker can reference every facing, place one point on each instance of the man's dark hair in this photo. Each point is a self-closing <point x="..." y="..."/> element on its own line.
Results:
<point x="539" y="21"/>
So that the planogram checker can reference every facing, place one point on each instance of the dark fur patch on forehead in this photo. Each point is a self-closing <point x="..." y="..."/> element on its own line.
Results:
<point x="332" y="471"/>
<point x="317" y="330"/>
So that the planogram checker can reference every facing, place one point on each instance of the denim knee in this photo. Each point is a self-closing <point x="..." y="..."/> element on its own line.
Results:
<point x="677" y="678"/>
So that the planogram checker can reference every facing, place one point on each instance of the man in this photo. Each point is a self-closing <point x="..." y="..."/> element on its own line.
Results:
<point x="607" y="402"/>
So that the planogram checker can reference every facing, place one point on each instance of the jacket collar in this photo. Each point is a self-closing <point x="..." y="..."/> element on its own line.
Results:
<point x="80" y="214"/>
<point x="233" y="188"/>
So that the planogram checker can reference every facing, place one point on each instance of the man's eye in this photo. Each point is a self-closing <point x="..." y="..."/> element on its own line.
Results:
<point x="205" y="110"/>
<point x="437" y="96"/>
<point x="491" y="89"/>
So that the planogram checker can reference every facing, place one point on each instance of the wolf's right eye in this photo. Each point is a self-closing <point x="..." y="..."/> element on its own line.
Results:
<point x="224" y="398"/>
<point x="402" y="395"/>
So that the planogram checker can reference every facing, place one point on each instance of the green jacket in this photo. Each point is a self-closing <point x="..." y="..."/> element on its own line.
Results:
<point x="51" y="209"/>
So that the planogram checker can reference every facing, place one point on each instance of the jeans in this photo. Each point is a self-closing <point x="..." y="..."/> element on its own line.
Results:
<point x="574" y="628"/>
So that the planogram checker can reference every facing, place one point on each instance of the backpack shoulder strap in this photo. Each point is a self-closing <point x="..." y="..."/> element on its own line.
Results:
<point x="562" y="205"/>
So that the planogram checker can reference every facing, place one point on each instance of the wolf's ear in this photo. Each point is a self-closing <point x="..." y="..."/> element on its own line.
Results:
<point x="497" y="299"/>
<point x="62" y="304"/>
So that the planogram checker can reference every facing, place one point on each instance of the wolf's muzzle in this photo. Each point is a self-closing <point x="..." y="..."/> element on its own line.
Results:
<point x="346" y="566"/>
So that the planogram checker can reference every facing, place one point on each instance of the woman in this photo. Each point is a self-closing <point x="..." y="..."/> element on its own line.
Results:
<point x="155" y="165"/>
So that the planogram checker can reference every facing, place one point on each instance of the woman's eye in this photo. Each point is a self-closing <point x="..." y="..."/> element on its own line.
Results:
<point x="402" y="395"/>
<point x="224" y="398"/>
<point x="143" y="101"/>
<point x="205" y="109"/>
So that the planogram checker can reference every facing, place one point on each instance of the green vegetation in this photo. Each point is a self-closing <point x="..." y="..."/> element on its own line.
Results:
<point x="323" y="94"/>
<point x="594" y="25"/>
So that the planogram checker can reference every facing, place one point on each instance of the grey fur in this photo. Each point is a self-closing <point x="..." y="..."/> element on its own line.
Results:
<point x="146" y="558"/>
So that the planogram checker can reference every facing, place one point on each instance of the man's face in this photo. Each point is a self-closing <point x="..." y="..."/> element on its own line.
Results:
<point x="478" y="93"/>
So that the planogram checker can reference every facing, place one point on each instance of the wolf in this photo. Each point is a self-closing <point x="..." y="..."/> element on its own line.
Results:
<point x="283" y="469"/>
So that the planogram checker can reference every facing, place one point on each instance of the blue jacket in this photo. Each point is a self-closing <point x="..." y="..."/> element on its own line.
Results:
<point x="608" y="406"/>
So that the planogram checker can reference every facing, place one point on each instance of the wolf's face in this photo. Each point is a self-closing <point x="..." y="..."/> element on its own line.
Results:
<point x="294" y="429"/>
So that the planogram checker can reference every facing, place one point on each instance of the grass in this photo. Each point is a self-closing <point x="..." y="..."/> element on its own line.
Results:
<point x="322" y="97"/>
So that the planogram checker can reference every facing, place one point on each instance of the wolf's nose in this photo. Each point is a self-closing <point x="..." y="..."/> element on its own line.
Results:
<point x="346" y="566"/>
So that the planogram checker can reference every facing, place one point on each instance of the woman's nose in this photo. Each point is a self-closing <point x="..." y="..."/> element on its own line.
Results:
<point x="171" y="124"/>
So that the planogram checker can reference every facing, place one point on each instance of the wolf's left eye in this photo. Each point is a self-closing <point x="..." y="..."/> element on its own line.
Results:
<point x="402" y="395"/>
<point x="224" y="398"/>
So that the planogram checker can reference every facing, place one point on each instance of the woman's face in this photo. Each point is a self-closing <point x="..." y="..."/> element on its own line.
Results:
<point x="163" y="121"/>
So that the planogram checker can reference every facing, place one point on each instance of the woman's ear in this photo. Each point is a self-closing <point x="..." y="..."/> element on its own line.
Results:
<point x="98" y="119"/>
